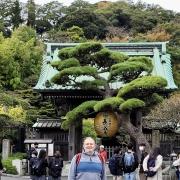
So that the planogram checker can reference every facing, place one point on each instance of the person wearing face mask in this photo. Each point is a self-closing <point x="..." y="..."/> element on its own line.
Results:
<point x="103" y="152"/>
<point x="55" y="166"/>
<point x="143" y="154"/>
<point x="34" y="148"/>
<point x="87" y="165"/>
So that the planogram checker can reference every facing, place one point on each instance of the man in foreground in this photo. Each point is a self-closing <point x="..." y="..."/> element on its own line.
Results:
<point x="87" y="165"/>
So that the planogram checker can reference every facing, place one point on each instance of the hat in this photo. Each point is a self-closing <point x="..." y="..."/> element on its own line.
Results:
<point x="101" y="146"/>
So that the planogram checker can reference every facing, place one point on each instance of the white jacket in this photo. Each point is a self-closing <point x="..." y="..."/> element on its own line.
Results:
<point x="177" y="163"/>
<point x="157" y="167"/>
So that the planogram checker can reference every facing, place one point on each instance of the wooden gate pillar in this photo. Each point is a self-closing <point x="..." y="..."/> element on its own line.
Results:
<point x="155" y="138"/>
<point x="75" y="139"/>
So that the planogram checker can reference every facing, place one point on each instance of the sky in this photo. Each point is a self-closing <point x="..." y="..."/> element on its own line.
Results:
<point x="166" y="4"/>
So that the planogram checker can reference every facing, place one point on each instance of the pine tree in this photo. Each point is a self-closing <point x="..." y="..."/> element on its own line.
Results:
<point x="106" y="67"/>
<point x="16" y="14"/>
<point x="31" y="13"/>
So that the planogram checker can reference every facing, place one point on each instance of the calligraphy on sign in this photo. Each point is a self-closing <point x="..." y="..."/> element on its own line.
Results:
<point x="106" y="124"/>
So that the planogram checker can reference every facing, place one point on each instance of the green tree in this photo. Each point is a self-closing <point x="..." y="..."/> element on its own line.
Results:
<point x="93" y="25"/>
<point x="77" y="5"/>
<point x="106" y="67"/>
<point x="31" y="13"/>
<point x="42" y="26"/>
<point x="16" y="14"/>
<point x="120" y="19"/>
<point x="5" y="17"/>
<point x="166" y="113"/>
<point x="13" y="109"/>
<point x="76" y="34"/>
<point x="58" y="36"/>
<point x="50" y="13"/>
<point x="88" y="131"/>
<point x="5" y="10"/>
<point x="20" y="59"/>
<point x="9" y="76"/>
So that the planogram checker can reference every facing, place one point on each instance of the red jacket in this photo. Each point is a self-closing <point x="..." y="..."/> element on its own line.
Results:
<point x="103" y="154"/>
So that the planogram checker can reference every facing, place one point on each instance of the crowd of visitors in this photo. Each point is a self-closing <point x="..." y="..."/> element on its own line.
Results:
<point x="90" y="163"/>
<point x="38" y="164"/>
<point x="128" y="165"/>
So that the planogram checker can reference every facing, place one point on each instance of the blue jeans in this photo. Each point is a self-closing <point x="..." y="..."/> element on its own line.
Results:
<point x="43" y="177"/>
<point x="130" y="176"/>
<point x="178" y="174"/>
<point x="54" y="178"/>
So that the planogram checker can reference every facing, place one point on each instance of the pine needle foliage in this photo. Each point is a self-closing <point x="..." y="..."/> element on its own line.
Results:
<point x="80" y="111"/>
<point x="131" y="104"/>
<point x="142" y="85"/>
<point x="108" y="104"/>
<point x="60" y="65"/>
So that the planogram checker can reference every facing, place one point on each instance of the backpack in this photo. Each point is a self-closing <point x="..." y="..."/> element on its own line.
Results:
<point x="150" y="163"/>
<point x="78" y="158"/>
<point x="115" y="163"/>
<point x="56" y="167"/>
<point x="129" y="162"/>
<point x="36" y="167"/>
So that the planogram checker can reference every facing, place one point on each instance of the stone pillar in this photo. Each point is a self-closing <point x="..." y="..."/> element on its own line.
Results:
<point x="18" y="164"/>
<point x="155" y="138"/>
<point x="5" y="148"/>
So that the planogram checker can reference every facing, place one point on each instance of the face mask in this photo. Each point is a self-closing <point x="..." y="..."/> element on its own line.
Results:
<point x="141" y="148"/>
<point x="57" y="156"/>
<point x="33" y="155"/>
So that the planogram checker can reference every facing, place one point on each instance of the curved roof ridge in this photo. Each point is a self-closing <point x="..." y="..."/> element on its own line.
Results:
<point x="155" y="50"/>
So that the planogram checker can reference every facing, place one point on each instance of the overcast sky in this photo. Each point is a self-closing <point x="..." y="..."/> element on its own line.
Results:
<point x="166" y="4"/>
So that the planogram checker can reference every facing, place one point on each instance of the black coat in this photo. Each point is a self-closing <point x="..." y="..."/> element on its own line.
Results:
<point x="43" y="165"/>
<point x="55" y="166"/>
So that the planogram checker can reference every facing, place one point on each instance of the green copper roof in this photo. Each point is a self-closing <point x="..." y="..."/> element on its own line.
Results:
<point x="155" y="50"/>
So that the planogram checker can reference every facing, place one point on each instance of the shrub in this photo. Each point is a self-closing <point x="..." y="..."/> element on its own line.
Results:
<point x="7" y="163"/>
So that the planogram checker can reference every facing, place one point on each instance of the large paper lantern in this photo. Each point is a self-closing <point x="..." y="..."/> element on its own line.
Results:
<point x="106" y="124"/>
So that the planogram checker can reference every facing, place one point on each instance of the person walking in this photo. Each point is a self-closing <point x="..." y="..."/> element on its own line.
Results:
<point x="130" y="163"/>
<point x="88" y="165"/>
<point x="55" y="166"/>
<point x="116" y="164"/>
<point x="152" y="164"/>
<point x="103" y="152"/>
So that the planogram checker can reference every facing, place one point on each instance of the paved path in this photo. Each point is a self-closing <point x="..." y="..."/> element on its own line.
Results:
<point x="12" y="178"/>
<point x="21" y="178"/>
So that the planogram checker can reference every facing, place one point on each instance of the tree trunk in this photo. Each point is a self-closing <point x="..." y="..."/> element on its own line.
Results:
<point x="134" y="132"/>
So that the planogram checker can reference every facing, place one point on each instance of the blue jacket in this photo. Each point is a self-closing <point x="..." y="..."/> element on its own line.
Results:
<point x="89" y="167"/>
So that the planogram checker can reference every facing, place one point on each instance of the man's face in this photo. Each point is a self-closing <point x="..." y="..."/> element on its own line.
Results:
<point x="89" y="145"/>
